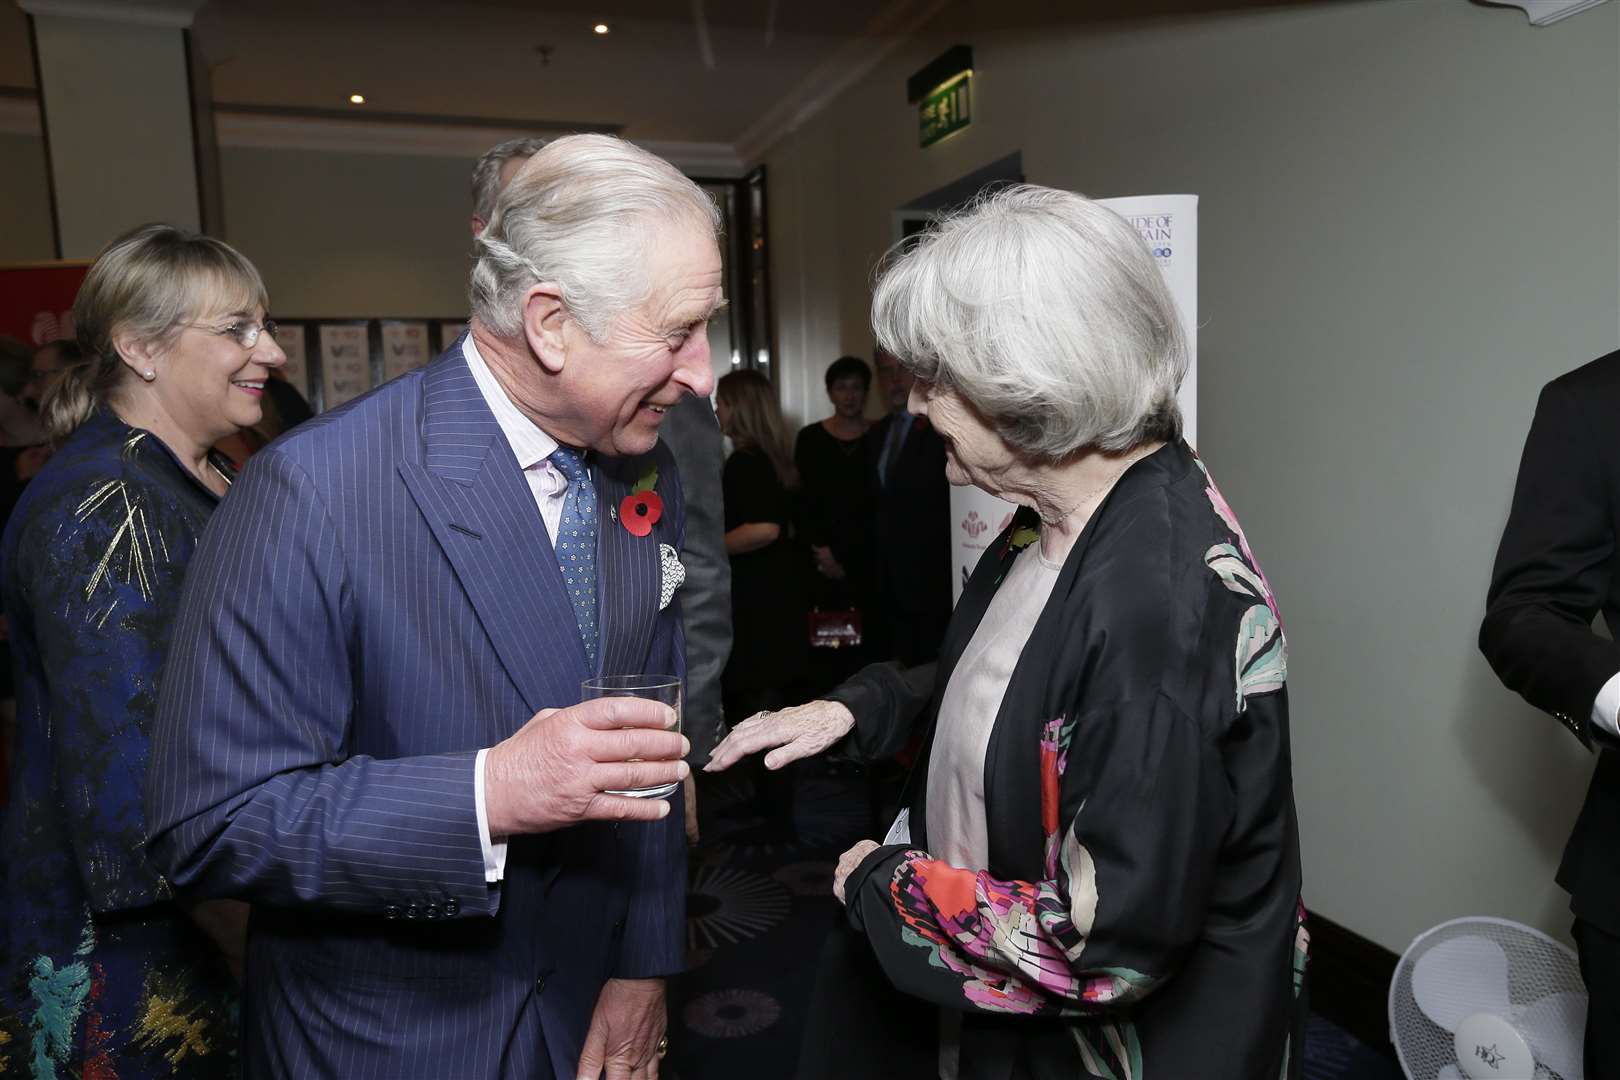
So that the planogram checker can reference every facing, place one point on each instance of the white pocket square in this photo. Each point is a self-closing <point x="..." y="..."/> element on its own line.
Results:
<point x="674" y="575"/>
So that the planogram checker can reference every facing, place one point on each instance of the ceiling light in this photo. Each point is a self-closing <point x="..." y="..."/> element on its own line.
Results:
<point x="601" y="28"/>
<point x="357" y="99"/>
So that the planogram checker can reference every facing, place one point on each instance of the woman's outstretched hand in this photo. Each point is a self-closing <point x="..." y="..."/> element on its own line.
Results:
<point x="789" y="735"/>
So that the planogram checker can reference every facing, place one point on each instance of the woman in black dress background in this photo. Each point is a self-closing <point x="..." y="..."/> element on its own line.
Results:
<point x="835" y="494"/>
<point x="767" y="564"/>
<point x="770" y="651"/>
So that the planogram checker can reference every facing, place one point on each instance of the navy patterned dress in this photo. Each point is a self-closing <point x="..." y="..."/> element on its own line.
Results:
<point x="101" y="974"/>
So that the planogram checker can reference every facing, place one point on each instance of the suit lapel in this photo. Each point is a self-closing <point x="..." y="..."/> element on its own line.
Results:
<point x="628" y="569"/>
<point x="482" y="512"/>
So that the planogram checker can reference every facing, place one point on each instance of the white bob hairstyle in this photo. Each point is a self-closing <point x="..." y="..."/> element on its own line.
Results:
<point x="1045" y="311"/>
<point x="581" y="213"/>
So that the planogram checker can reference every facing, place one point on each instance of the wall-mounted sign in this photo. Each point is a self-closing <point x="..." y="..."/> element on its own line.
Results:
<point x="945" y="110"/>
<point x="943" y="93"/>
<point x="345" y="362"/>
<point x="36" y="300"/>
<point x="449" y="331"/>
<point x="290" y="336"/>
<point x="405" y="346"/>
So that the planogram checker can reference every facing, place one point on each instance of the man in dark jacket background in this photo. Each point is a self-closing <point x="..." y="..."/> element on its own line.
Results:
<point x="1557" y="567"/>
<point x="911" y="527"/>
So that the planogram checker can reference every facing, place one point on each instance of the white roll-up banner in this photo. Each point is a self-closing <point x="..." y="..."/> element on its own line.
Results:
<point x="1169" y="227"/>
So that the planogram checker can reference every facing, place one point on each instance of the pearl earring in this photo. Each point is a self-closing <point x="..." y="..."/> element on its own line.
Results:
<point x="148" y="374"/>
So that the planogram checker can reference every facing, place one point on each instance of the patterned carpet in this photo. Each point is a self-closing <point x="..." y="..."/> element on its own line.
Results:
<point x="757" y="911"/>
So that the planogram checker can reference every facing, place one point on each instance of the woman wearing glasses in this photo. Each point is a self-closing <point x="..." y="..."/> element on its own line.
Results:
<point x="103" y="971"/>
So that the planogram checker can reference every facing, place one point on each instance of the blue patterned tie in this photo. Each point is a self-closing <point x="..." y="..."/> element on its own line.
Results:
<point x="576" y="543"/>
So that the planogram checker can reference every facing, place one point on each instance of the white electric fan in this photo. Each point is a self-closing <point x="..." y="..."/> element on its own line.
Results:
<point x="1484" y="998"/>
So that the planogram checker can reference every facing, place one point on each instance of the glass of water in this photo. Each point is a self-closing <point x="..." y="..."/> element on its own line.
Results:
<point x="662" y="688"/>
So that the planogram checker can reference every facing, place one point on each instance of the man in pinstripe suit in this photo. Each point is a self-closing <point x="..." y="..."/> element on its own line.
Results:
<point x="692" y="434"/>
<point x="368" y="723"/>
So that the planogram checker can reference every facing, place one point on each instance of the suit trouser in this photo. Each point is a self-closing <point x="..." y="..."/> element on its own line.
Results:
<point x="1600" y="967"/>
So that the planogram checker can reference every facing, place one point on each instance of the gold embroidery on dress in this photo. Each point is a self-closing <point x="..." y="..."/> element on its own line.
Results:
<point x="131" y="545"/>
<point x="132" y="535"/>
<point x="163" y="1019"/>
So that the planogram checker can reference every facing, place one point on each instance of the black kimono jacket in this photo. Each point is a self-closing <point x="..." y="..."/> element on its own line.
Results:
<point x="1141" y="915"/>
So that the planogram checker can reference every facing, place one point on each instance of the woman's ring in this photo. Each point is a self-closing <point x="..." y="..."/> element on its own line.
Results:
<point x="663" y="1046"/>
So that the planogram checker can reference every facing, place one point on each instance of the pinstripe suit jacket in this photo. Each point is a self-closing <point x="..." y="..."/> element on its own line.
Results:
<point x="374" y="602"/>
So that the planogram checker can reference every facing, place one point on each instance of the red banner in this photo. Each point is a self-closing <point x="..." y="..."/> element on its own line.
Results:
<point x="36" y="300"/>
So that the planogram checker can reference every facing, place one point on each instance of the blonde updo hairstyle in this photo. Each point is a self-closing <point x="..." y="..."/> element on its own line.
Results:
<point x="149" y="283"/>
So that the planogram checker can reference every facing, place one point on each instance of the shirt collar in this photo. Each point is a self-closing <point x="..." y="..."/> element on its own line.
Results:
<point x="529" y="444"/>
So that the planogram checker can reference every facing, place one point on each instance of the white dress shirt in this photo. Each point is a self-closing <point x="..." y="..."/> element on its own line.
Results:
<point x="532" y="447"/>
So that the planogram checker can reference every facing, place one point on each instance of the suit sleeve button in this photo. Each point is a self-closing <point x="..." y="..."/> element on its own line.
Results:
<point x="391" y="911"/>
<point x="451" y="908"/>
<point x="540" y="985"/>
<point x="411" y="912"/>
<point x="431" y="911"/>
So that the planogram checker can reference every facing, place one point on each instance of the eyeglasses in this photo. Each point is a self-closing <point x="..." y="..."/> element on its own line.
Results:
<point x="245" y="334"/>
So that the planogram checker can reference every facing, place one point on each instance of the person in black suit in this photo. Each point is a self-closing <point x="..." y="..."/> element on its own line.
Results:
<point x="911" y="527"/>
<point x="1558" y="565"/>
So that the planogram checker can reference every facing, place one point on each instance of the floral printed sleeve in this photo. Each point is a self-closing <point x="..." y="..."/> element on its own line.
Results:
<point x="101" y="595"/>
<point x="1134" y="804"/>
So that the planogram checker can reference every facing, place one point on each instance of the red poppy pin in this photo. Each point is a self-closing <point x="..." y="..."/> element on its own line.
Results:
<point x="640" y="510"/>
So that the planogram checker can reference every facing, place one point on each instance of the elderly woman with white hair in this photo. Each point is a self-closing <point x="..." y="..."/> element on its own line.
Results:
<point x="1096" y="870"/>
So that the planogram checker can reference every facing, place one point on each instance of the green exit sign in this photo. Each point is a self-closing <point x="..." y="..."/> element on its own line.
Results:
<point x="947" y="108"/>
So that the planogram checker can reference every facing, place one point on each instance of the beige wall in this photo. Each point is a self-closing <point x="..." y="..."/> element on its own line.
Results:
<point x="119" y="114"/>
<point x="362" y="234"/>
<point x="334" y="234"/>
<point x="25" y="200"/>
<point x="353" y="234"/>
<point x="1409" y="223"/>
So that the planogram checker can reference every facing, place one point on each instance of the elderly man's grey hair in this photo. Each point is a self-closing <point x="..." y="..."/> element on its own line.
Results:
<point x="581" y="214"/>
<point x="486" y="176"/>
<point x="1046" y="312"/>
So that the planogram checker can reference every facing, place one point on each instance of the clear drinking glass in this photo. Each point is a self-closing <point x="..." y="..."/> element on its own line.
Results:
<point x="664" y="688"/>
